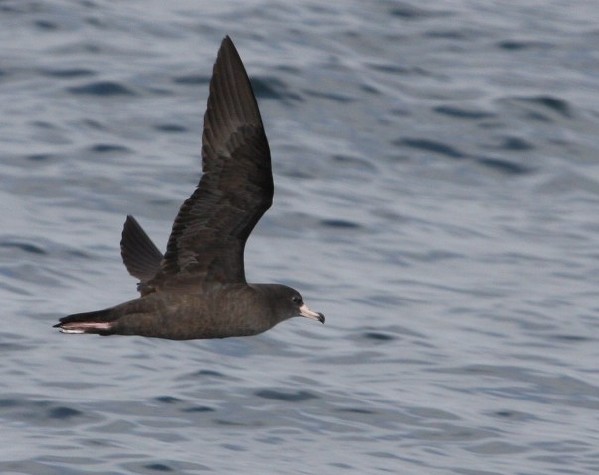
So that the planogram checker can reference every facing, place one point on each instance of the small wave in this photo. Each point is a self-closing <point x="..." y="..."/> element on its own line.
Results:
<point x="101" y="88"/>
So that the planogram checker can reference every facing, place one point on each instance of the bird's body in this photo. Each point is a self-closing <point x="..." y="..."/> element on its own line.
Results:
<point x="185" y="313"/>
<point x="197" y="289"/>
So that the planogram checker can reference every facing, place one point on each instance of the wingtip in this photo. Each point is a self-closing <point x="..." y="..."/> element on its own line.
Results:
<point x="227" y="44"/>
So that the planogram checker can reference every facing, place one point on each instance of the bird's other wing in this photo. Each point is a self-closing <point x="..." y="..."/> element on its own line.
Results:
<point x="140" y="255"/>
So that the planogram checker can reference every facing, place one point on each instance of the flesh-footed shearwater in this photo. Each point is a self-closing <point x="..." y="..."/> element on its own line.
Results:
<point x="197" y="289"/>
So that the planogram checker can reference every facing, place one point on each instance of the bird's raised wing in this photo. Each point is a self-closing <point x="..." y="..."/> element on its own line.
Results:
<point x="209" y="234"/>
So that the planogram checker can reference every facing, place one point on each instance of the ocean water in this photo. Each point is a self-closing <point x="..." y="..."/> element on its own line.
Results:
<point x="437" y="186"/>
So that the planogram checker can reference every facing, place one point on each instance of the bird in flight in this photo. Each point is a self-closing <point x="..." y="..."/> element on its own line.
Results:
<point x="197" y="289"/>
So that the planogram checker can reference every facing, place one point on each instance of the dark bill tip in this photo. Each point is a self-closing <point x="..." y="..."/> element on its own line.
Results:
<point x="304" y="311"/>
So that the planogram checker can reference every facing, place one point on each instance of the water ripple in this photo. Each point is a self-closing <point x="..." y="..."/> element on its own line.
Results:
<point x="102" y="88"/>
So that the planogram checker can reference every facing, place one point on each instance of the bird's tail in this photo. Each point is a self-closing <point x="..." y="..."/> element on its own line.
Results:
<point x="100" y="322"/>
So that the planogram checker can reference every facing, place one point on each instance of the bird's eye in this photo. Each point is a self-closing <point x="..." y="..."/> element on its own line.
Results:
<point x="296" y="299"/>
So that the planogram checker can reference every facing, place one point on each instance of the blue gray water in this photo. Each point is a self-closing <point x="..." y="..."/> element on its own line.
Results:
<point x="437" y="187"/>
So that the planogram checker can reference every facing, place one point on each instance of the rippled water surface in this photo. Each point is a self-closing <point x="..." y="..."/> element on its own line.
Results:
<point x="437" y="186"/>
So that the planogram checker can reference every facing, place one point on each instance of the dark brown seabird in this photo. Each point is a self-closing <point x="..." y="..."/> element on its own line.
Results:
<point x="198" y="288"/>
